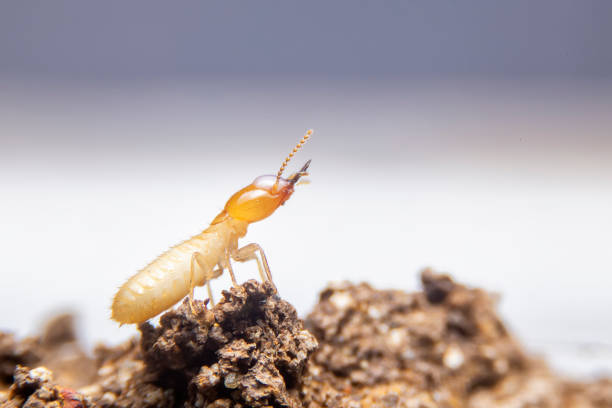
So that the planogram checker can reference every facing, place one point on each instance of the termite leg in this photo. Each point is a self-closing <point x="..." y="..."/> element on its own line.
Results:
<point x="247" y="258"/>
<point x="191" y="282"/>
<point x="248" y="252"/>
<point x="195" y="260"/>
<point x="215" y="274"/>
<point x="260" y="269"/>
<point x="230" y="269"/>
<point x="210" y="295"/>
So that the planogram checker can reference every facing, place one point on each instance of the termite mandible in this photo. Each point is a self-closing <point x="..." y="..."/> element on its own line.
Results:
<point x="194" y="262"/>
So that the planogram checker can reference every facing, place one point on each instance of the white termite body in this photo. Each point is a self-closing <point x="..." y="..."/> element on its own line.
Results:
<point x="166" y="280"/>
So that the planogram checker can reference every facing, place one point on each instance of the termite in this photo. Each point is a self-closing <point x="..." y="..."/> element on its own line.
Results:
<point x="204" y="257"/>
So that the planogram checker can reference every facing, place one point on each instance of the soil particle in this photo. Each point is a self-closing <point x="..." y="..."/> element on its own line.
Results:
<point x="249" y="350"/>
<point x="32" y="388"/>
<point x="433" y="347"/>
<point x="597" y="394"/>
<point x="57" y="348"/>
<point x="442" y="347"/>
<point x="123" y="381"/>
<point x="13" y="353"/>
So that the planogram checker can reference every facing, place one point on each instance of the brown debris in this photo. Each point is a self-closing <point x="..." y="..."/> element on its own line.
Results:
<point x="32" y="388"/>
<point x="56" y="348"/>
<point x="250" y="349"/>
<point x="443" y="347"/>
<point x="14" y="353"/>
<point x="434" y="347"/>
<point x="597" y="394"/>
<point x="122" y="382"/>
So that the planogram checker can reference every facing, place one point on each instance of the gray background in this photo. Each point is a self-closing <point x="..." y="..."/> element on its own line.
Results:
<point x="138" y="39"/>
<point x="472" y="137"/>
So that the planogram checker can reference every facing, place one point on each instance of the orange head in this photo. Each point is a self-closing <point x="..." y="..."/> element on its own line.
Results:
<point x="265" y="194"/>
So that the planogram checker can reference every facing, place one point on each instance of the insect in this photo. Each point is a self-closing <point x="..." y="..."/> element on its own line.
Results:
<point x="194" y="262"/>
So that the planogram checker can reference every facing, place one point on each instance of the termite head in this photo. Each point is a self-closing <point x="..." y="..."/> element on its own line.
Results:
<point x="265" y="194"/>
<point x="261" y="198"/>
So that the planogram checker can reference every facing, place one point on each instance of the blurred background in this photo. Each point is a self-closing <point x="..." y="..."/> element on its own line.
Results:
<point x="471" y="137"/>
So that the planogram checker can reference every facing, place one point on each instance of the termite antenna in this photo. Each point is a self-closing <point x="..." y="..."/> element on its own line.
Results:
<point x="295" y="149"/>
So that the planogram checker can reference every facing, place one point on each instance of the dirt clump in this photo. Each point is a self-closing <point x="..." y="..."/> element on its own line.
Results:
<point x="13" y="353"/>
<point x="444" y="346"/>
<point x="57" y="348"/>
<point x="248" y="351"/>
<point x="33" y="388"/>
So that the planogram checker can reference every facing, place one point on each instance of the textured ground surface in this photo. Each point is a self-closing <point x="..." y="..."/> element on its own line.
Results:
<point x="444" y="346"/>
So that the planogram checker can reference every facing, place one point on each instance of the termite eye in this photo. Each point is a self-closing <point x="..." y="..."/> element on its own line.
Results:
<point x="270" y="183"/>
